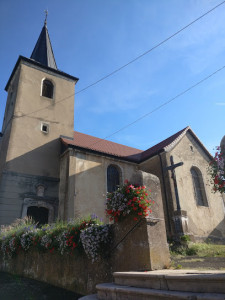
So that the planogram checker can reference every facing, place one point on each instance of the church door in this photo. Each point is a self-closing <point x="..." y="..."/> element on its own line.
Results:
<point x="39" y="214"/>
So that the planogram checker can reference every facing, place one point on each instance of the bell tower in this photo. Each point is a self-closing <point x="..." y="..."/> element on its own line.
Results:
<point x="39" y="109"/>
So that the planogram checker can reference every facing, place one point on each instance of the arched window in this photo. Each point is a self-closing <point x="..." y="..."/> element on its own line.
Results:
<point x="199" y="189"/>
<point x="113" y="178"/>
<point x="47" y="88"/>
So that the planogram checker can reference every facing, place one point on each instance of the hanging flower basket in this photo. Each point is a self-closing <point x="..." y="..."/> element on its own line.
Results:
<point x="128" y="200"/>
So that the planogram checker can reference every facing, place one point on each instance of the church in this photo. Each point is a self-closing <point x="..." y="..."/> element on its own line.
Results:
<point x="50" y="171"/>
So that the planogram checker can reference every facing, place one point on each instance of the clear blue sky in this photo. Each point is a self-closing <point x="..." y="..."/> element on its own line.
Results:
<point x="92" y="38"/>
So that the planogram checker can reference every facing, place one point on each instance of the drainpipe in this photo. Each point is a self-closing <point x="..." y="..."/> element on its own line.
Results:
<point x="164" y="190"/>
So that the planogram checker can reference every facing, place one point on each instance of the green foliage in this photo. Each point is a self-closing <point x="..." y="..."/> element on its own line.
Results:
<point x="209" y="250"/>
<point x="198" y="249"/>
<point x="179" y="246"/>
<point x="191" y="251"/>
<point x="185" y="238"/>
<point x="61" y="237"/>
<point x="216" y="170"/>
<point x="178" y="267"/>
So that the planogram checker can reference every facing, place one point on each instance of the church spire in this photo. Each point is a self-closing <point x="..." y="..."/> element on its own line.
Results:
<point x="43" y="52"/>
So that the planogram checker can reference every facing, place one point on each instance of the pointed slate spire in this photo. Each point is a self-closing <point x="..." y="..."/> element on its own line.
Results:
<point x="43" y="52"/>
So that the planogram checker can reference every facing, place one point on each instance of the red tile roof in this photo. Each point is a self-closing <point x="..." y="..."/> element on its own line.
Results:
<point x="92" y="143"/>
<point x="100" y="145"/>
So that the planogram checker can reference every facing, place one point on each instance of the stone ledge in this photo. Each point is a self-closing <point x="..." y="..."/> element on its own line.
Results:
<point x="110" y="291"/>
<point x="174" y="280"/>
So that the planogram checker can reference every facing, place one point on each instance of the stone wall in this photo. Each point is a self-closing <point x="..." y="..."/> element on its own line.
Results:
<point x="144" y="248"/>
<point x="77" y="274"/>
<point x="19" y="191"/>
<point x="203" y="221"/>
<point x="136" y="246"/>
<point x="200" y="221"/>
<point x="83" y="183"/>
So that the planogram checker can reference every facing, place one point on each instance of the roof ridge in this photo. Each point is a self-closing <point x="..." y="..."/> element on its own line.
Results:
<point x="201" y="144"/>
<point x="159" y="147"/>
<point x="176" y="140"/>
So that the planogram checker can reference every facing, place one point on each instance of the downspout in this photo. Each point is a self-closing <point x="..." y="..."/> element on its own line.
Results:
<point x="164" y="190"/>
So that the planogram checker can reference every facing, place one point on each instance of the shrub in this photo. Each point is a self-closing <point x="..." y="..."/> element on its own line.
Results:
<point x="217" y="171"/>
<point x="185" y="238"/>
<point x="191" y="251"/>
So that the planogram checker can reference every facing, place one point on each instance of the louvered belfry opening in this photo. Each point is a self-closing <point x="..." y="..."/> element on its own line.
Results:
<point x="47" y="89"/>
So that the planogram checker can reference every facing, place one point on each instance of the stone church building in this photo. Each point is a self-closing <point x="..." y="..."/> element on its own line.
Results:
<point x="48" y="171"/>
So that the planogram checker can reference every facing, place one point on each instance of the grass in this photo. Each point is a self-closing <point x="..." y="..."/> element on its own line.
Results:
<point x="192" y="260"/>
<point x="190" y="255"/>
<point x="208" y="250"/>
<point x="184" y="247"/>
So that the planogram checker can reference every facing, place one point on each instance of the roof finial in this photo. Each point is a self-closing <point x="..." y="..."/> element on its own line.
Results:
<point x="46" y="15"/>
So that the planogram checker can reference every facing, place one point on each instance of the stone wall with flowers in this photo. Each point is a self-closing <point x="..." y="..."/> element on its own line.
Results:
<point x="82" y="253"/>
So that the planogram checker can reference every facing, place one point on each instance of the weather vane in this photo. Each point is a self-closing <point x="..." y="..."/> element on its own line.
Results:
<point x="46" y="15"/>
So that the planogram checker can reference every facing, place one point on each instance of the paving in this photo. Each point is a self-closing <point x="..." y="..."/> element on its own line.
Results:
<point x="13" y="287"/>
<point x="196" y="262"/>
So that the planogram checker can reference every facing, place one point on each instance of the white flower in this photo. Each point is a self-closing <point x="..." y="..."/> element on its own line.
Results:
<point x="93" y="239"/>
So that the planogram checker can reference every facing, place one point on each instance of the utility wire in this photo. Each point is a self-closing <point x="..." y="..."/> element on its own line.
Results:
<point x="160" y="106"/>
<point x="151" y="49"/>
<point x="130" y="62"/>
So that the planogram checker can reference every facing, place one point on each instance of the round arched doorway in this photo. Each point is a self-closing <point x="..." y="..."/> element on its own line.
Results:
<point x="38" y="214"/>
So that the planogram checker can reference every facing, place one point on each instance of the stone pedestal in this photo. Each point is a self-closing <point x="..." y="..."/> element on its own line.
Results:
<point x="180" y="219"/>
<point x="142" y="246"/>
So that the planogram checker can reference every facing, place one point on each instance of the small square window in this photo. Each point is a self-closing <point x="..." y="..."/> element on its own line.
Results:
<point x="44" y="127"/>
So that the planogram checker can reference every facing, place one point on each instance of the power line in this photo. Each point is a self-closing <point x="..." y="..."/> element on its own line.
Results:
<point x="130" y="62"/>
<point x="160" y="106"/>
<point x="151" y="49"/>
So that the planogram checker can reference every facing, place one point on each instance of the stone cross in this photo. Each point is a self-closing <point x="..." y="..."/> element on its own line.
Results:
<point x="172" y="169"/>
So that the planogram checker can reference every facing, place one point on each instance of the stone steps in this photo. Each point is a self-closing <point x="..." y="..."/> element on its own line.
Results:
<point x="111" y="291"/>
<point x="163" y="285"/>
<point x="175" y="280"/>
